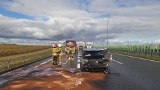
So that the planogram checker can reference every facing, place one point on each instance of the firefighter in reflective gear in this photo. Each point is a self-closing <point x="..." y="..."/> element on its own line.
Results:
<point x="68" y="52"/>
<point x="60" y="54"/>
<point x="56" y="54"/>
<point x="73" y="51"/>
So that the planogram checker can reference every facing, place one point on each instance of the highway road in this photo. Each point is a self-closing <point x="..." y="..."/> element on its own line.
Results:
<point x="127" y="73"/>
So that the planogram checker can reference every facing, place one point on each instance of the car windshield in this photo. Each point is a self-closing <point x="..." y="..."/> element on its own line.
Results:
<point x="93" y="54"/>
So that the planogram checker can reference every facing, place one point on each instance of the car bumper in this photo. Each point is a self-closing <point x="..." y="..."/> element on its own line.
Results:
<point x="94" y="66"/>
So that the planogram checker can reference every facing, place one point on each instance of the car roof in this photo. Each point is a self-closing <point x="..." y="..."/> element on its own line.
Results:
<point x="92" y="49"/>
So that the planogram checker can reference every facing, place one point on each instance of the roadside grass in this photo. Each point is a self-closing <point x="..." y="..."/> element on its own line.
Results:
<point x="139" y="51"/>
<point x="13" y="49"/>
<point x="140" y="56"/>
<point x="14" y="61"/>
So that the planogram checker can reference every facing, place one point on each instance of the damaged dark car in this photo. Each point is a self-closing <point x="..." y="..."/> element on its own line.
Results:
<point x="95" y="60"/>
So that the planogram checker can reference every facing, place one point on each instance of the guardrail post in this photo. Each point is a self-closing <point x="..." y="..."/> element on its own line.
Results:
<point x="23" y="60"/>
<point x="34" y="58"/>
<point x="8" y="61"/>
<point x="151" y="53"/>
<point x="159" y="55"/>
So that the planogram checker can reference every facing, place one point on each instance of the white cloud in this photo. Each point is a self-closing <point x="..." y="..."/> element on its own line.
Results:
<point x="157" y="41"/>
<point x="67" y="19"/>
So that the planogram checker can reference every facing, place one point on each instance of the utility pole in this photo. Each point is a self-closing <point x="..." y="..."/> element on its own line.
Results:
<point x="107" y="29"/>
<point x="107" y="26"/>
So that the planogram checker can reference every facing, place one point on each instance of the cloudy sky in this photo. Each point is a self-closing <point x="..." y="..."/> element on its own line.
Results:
<point x="49" y="21"/>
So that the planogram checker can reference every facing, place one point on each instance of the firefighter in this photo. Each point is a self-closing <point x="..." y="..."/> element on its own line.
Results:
<point x="55" y="54"/>
<point x="68" y="52"/>
<point x="73" y="51"/>
<point x="60" y="54"/>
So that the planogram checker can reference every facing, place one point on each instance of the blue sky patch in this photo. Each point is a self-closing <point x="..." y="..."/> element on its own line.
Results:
<point x="14" y="14"/>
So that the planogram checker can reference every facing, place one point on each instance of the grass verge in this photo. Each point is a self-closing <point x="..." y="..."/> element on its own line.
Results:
<point x="141" y="56"/>
<point x="12" y="62"/>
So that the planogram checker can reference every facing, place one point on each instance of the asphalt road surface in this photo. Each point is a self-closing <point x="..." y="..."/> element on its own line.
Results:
<point x="127" y="73"/>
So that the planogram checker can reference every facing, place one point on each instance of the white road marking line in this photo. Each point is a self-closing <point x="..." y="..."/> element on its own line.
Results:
<point x="141" y="58"/>
<point x="65" y="62"/>
<point x="5" y="81"/>
<point x="78" y="60"/>
<point x="43" y="63"/>
<point x="117" y="61"/>
<point x="78" y="65"/>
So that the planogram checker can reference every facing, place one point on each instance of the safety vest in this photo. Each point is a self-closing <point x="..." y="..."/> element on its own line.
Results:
<point x="73" y="50"/>
<point x="61" y="51"/>
<point x="56" y="51"/>
<point x="68" y="50"/>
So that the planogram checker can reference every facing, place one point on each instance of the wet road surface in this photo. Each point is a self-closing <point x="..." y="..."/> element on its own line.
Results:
<point x="44" y="76"/>
<point x="127" y="73"/>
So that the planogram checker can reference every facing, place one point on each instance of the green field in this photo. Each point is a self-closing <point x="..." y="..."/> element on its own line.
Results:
<point x="151" y="51"/>
<point x="7" y="49"/>
<point x="144" y="51"/>
<point x="20" y="55"/>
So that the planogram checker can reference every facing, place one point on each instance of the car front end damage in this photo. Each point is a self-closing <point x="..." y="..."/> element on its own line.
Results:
<point x="95" y="65"/>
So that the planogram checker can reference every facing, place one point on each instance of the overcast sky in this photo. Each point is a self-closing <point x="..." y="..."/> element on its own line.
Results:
<point x="47" y="21"/>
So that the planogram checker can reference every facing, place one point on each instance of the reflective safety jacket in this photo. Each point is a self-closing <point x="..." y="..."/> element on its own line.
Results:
<point x="68" y="51"/>
<point x="56" y="51"/>
<point x="73" y="50"/>
<point x="61" y="51"/>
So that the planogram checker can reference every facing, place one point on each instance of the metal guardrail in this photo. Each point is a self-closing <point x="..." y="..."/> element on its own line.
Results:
<point x="12" y="62"/>
<point x="149" y="55"/>
<point x="146" y="51"/>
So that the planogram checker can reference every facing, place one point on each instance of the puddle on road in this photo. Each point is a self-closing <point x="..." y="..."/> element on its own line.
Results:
<point x="72" y="81"/>
<point x="47" y="77"/>
<point x="60" y="80"/>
